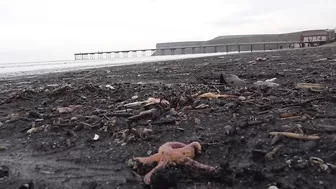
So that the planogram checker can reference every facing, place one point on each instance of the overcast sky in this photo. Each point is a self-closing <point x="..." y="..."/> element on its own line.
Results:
<point x="35" y="30"/>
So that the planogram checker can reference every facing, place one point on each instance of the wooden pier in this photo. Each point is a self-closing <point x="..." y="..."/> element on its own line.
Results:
<point x="215" y="48"/>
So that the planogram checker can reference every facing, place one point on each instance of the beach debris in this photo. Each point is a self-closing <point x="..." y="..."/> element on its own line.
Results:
<point x="276" y="139"/>
<point x="128" y="135"/>
<point x="296" y="136"/>
<point x="3" y="148"/>
<point x="270" y="155"/>
<point x="267" y="82"/>
<point x="318" y="163"/>
<point x="232" y="79"/>
<point x="288" y="115"/>
<point x="29" y="185"/>
<point x="261" y="59"/>
<point x="35" y="129"/>
<point x="10" y="118"/>
<point x="135" y="97"/>
<point x="197" y="121"/>
<point x="149" y="101"/>
<point x="321" y="60"/>
<point x="96" y="137"/>
<point x="110" y="87"/>
<point x="310" y="86"/>
<point x="144" y="114"/>
<point x="69" y="109"/>
<point x="242" y="98"/>
<point x="330" y="128"/>
<point x="171" y="153"/>
<point x="202" y="106"/>
<point x="4" y="171"/>
<point x="214" y="96"/>
<point x="229" y="130"/>
<point x="34" y="114"/>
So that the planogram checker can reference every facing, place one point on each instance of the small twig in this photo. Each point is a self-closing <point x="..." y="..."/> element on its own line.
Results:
<point x="270" y="155"/>
<point x="216" y="89"/>
<point x="119" y="114"/>
<point x="143" y="114"/>
<point x="325" y="116"/>
<point x="165" y="122"/>
<point x="295" y="135"/>
<point x="331" y="128"/>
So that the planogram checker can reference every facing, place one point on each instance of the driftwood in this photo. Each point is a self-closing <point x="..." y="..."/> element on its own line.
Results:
<point x="296" y="136"/>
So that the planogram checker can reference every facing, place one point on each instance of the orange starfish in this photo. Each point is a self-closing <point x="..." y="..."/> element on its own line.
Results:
<point x="172" y="153"/>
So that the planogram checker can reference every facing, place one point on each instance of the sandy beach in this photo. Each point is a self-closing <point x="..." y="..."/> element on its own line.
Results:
<point x="77" y="129"/>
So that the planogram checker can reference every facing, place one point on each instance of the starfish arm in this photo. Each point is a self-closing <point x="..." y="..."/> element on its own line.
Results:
<point x="149" y="160"/>
<point x="175" y="145"/>
<point x="147" y="178"/>
<point x="192" y="163"/>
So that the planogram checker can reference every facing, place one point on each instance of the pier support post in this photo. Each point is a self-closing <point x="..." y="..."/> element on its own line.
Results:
<point x="227" y="48"/>
<point x="215" y="49"/>
<point x="172" y="51"/>
<point x="238" y="48"/>
<point x="183" y="50"/>
<point x="162" y="52"/>
<point x="264" y="47"/>
<point x="251" y="48"/>
<point x="193" y="50"/>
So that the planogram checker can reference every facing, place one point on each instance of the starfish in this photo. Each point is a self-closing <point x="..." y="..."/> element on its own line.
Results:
<point x="173" y="153"/>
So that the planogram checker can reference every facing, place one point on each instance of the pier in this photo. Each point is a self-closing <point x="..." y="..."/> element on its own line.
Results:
<point x="213" y="48"/>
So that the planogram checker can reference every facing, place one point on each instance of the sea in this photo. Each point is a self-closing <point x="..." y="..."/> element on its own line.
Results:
<point x="19" y="69"/>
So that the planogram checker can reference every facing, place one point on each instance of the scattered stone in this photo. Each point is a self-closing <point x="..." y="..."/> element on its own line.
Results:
<point x="266" y="83"/>
<point x="232" y="79"/>
<point x="4" y="171"/>
<point x="229" y="130"/>
<point x="173" y="112"/>
<point x="3" y="148"/>
<point x="261" y="59"/>
<point x="90" y="185"/>
<point x="197" y="121"/>
<point x="74" y="119"/>
<point x="273" y="187"/>
<point x="309" y="145"/>
<point x="29" y="185"/>
<point x="34" y="115"/>
<point x="134" y="97"/>
<point x="70" y="109"/>
<point x="242" y="98"/>
<point x="1" y="124"/>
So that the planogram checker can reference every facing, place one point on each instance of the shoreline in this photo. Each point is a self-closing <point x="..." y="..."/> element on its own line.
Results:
<point x="106" y="63"/>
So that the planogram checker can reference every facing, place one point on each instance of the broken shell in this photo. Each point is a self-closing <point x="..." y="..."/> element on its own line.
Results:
<point x="316" y="160"/>
<point x="110" y="87"/>
<point x="96" y="137"/>
<point x="134" y="97"/>
<point x="197" y="121"/>
<point x="229" y="129"/>
<point x="324" y="167"/>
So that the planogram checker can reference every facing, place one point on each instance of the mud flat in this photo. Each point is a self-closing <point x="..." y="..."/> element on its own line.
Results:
<point x="79" y="129"/>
